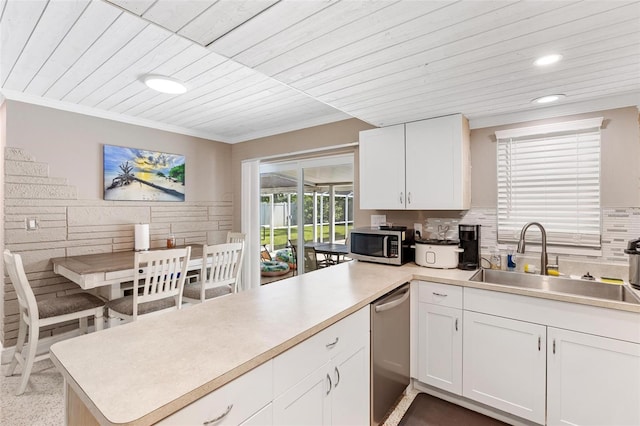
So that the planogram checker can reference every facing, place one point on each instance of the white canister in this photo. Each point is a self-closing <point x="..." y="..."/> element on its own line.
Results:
<point x="141" y="237"/>
<point x="441" y="254"/>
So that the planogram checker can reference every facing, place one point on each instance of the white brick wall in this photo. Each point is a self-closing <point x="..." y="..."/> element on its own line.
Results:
<point x="619" y="225"/>
<point x="70" y="227"/>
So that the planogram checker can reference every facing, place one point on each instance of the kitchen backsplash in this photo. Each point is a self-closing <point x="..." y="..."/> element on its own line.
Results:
<point x="619" y="225"/>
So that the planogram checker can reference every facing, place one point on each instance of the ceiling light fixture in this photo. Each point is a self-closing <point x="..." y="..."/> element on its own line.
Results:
<point x="548" y="99"/>
<point x="547" y="60"/>
<point x="164" y="84"/>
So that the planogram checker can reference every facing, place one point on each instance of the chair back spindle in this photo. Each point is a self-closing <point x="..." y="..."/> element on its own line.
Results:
<point x="161" y="274"/>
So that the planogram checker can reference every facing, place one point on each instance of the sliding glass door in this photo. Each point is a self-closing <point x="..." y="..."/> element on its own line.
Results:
<point x="304" y="201"/>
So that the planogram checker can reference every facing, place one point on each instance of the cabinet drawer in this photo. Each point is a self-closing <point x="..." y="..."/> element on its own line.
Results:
<point x="440" y="294"/>
<point x="240" y="399"/>
<point x="298" y="362"/>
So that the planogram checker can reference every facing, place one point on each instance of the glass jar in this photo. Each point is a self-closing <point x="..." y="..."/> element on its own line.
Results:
<point x="495" y="260"/>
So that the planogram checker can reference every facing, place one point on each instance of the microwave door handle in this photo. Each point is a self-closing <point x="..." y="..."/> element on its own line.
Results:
<point x="385" y="251"/>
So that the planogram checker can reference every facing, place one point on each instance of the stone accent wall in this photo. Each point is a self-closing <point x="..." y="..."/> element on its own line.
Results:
<point x="70" y="227"/>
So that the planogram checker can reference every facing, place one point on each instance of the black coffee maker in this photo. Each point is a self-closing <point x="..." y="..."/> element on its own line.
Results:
<point x="469" y="236"/>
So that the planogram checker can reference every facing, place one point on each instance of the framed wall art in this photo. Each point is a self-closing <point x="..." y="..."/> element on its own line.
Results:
<point x="132" y="174"/>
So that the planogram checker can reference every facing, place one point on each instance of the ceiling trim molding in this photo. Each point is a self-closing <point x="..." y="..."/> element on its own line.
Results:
<point x="601" y="104"/>
<point x="93" y="112"/>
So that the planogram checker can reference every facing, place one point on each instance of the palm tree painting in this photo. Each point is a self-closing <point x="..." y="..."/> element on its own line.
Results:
<point x="136" y="174"/>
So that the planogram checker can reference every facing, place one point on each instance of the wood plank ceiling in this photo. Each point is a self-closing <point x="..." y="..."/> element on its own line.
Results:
<point x="260" y="67"/>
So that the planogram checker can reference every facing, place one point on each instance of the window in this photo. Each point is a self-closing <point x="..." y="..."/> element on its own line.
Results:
<point x="551" y="174"/>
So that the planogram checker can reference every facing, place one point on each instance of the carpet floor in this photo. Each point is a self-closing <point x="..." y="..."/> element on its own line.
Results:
<point x="42" y="404"/>
<point x="427" y="410"/>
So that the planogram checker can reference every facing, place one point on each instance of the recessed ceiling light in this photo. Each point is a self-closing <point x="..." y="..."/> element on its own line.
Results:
<point x="164" y="84"/>
<point x="547" y="60"/>
<point x="547" y="99"/>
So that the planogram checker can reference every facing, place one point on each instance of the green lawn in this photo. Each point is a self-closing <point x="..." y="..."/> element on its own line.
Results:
<point x="280" y="235"/>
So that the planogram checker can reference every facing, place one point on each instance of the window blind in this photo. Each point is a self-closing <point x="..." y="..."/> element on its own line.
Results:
<point x="552" y="178"/>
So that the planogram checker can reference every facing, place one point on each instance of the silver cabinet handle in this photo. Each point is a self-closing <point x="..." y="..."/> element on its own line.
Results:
<point x="337" y="376"/>
<point x="408" y="197"/>
<point x="401" y="197"/>
<point x="554" y="346"/>
<point x="332" y="344"/>
<point x="456" y="324"/>
<point x="539" y="342"/>
<point x="330" y="384"/>
<point x="220" y="417"/>
<point x="439" y="294"/>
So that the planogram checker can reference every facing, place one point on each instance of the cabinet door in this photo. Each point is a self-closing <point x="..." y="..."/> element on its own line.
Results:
<point x="350" y="379"/>
<point x="440" y="347"/>
<point x="307" y="403"/>
<point x="505" y="364"/>
<point x="381" y="164"/>
<point x="592" y="380"/>
<point x="437" y="163"/>
<point x="263" y="417"/>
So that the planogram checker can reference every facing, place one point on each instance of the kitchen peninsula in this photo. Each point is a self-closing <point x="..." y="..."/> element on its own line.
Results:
<point x="142" y="372"/>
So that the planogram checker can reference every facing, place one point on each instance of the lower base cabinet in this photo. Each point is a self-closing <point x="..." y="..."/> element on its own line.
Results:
<point x="323" y="380"/>
<point x="308" y="402"/>
<point x="263" y="417"/>
<point x="337" y="393"/>
<point x="545" y="361"/>
<point x="350" y="393"/>
<point x="245" y="400"/>
<point x="592" y="380"/>
<point x="504" y="364"/>
<point x="439" y="336"/>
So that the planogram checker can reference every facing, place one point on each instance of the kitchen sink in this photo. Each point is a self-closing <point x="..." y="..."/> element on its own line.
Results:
<point x="598" y="290"/>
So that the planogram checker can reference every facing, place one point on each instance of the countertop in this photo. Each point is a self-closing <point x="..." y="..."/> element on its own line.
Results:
<point x="139" y="373"/>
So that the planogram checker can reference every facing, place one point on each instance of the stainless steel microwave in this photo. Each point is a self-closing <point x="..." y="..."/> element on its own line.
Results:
<point x="391" y="246"/>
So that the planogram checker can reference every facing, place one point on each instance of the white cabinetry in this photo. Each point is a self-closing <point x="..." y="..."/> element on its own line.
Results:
<point x="504" y="364"/>
<point x="325" y="380"/>
<point x="246" y="399"/>
<point x="589" y="358"/>
<point x="381" y="160"/>
<point x="423" y="165"/>
<point x="321" y="381"/>
<point x="307" y="402"/>
<point x="439" y="333"/>
<point x="438" y="164"/>
<point x="592" y="380"/>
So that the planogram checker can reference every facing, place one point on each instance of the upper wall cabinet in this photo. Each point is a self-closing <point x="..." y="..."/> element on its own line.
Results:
<point x="423" y="165"/>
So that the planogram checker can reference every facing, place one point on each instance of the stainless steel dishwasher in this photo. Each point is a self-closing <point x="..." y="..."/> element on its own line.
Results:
<point x="389" y="351"/>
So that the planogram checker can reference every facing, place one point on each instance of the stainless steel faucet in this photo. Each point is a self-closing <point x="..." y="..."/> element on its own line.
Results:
<point x="543" y="252"/>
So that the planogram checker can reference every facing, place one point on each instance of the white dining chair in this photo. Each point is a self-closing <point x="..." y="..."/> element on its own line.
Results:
<point x="35" y="314"/>
<point x="238" y="237"/>
<point x="158" y="284"/>
<point x="219" y="274"/>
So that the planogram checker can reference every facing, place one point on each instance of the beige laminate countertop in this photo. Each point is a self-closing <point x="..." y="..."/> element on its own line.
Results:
<point x="139" y="373"/>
